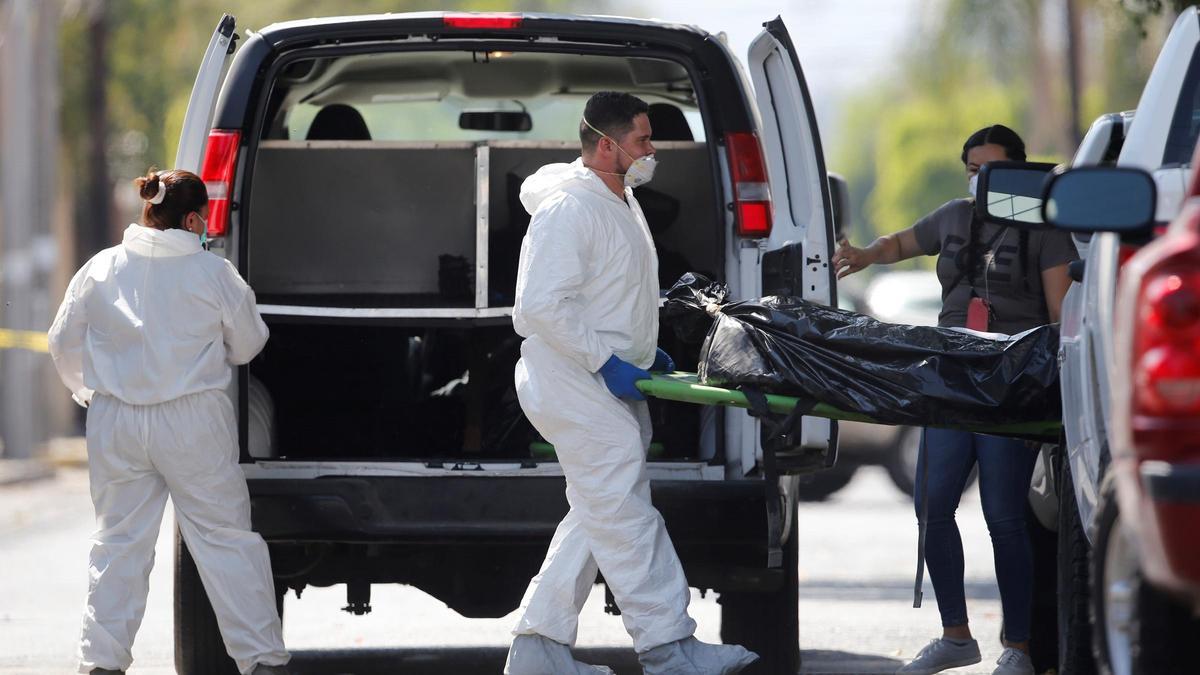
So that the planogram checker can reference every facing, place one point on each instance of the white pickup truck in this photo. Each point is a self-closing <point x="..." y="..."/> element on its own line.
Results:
<point x="1158" y="137"/>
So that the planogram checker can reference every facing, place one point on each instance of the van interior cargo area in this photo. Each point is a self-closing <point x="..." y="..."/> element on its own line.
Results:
<point x="365" y="194"/>
<point x="387" y="393"/>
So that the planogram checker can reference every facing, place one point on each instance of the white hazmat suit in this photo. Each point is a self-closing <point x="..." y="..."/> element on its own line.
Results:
<point x="145" y="337"/>
<point x="587" y="289"/>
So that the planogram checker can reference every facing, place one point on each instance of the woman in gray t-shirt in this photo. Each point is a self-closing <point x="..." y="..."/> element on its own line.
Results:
<point x="1017" y="278"/>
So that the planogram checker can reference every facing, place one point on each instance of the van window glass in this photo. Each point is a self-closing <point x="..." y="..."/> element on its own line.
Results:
<point x="1185" y="125"/>
<point x="410" y="97"/>
<point x="369" y="192"/>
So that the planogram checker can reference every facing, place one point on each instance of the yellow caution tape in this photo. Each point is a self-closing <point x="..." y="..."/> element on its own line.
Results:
<point x="24" y="339"/>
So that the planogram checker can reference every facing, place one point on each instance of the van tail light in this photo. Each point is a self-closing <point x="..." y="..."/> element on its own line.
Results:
<point x="1166" y="359"/>
<point x="751" y="191"/>
<point x="484" y="21"/>
<point x="220" y="161"/>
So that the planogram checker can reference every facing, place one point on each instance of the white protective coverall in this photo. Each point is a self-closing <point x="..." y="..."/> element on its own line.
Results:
<point x="587" y="288"/>
<point x="146" y="334"/>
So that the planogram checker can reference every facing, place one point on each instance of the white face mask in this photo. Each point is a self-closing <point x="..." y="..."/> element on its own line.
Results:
<point x="640" y="171"/>
<point x="971" y="184"/>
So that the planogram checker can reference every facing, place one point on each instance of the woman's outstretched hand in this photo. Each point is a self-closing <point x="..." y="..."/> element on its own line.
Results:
<point x="847" y="259"/>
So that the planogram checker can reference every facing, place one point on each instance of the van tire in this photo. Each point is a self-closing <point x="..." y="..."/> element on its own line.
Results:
<point x="1043" y="626"/>
<point x="1075" y="655"/>
<point x="768" y="624"/>
<point x="199" y="649"/>
<point x="821" y="485"/>
<point x="901" y="461"/>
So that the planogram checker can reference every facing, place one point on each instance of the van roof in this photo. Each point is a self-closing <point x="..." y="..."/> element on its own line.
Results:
<point x="532" y="24"/>
<point x="726" y="96"/>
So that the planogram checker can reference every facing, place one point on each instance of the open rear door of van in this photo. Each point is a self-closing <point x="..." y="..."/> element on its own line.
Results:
<point x="204" y="96"/>
<point x="797" y="252"/>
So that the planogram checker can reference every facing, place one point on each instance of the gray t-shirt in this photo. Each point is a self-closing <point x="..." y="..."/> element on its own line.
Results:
<point x="1015" y="294"/>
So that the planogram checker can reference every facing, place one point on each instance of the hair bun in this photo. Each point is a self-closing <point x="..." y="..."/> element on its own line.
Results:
<point x="151" y="187"/>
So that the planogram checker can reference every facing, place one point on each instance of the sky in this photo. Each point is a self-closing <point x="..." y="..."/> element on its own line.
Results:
<point x="843" y="45"/>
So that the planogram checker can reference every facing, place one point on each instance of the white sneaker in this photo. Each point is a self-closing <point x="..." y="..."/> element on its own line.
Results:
<point x="942" y="654"/>
<point x="1013" y="662"/>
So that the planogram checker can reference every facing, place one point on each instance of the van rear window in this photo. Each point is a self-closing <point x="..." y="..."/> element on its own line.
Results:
<point x="373" y="188"/>
<point x="422" y="96"/>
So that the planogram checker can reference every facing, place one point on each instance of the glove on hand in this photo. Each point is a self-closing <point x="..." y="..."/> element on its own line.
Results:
<point x="663" y="363"/>
<point x="621" y="377"/>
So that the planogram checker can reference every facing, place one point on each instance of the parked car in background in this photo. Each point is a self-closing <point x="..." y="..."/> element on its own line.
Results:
<point x="912" y="297"/>
<point x="1145" y="570"/>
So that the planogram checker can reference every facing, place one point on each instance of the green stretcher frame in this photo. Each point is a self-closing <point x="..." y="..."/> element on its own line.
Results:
<point x="686" y="388"/>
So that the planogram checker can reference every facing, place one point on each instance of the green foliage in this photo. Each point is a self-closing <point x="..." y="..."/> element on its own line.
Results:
<point x="971" y="64"/>
<point x="917" y="158"/>
<point x="1140" y="11"/>
<point x="155" y="47"/>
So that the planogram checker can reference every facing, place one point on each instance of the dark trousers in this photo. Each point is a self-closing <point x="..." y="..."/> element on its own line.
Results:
<point x="1005" y="468"/>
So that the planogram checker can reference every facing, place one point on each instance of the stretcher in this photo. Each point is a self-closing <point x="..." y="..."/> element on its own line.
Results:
<point x="686" y="388"/>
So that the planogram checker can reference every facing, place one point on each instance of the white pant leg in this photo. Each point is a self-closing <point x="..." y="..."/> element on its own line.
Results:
<point x="129" y="497"/>
<point x="557" y="594"/>
<point x="194" y="445"/>
<point x="600" y="442"/>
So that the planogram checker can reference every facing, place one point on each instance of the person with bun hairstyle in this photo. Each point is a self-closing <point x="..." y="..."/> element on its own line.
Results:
<point x="145" y="339"/>
<point x="1003" y="280"/>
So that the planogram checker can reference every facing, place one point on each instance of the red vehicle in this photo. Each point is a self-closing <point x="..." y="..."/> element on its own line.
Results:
<point x="1146" y="569"/>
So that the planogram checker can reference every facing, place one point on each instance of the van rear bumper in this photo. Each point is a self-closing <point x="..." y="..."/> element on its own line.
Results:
<point x="474" y="542"/>
<point x="406" y="509"/>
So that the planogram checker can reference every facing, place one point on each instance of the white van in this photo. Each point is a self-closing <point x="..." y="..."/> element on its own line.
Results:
<point x="363" y="175"/>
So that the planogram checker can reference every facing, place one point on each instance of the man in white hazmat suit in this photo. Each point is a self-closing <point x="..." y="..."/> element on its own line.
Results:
<point x="144" y="339"/>
<point x="587" y="302"/>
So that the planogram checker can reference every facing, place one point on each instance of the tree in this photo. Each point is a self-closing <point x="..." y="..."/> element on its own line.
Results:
<point x="974" y="63"/>
<point x="128" y="68"/>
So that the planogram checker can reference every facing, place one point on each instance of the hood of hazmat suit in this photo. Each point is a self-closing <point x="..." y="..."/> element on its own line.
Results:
<point x="587" y="288"/>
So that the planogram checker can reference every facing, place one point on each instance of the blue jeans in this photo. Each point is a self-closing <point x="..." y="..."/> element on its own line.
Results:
<point x="1005" y="468"/>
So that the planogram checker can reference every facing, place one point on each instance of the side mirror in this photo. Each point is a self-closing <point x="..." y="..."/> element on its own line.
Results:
<point x="1101" y="199"/>
<point x="839" y="197"/>
<point x="495" y="120"/>
<point x="1010" y="193"/>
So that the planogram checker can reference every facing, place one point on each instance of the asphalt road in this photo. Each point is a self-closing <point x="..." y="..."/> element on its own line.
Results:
<point x="857" y="554"/>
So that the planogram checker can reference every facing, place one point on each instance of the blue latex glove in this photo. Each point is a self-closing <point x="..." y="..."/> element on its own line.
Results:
<point x="663" y="363"/>
<point x="620" y="378"/>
